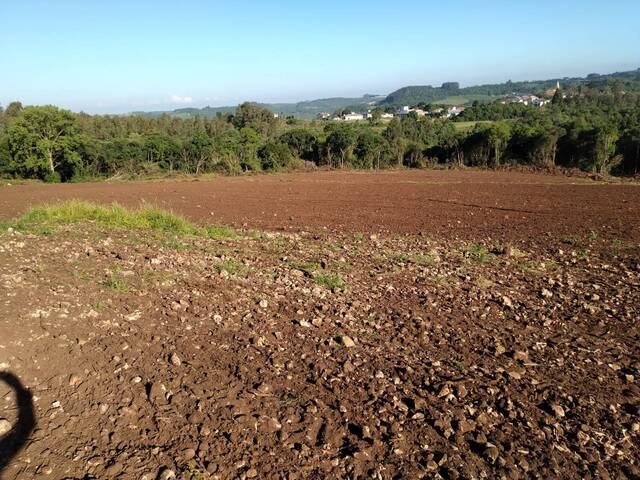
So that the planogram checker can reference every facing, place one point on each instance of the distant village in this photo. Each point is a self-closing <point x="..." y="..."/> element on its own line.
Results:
<point x="401" y="112"/>
<point x="439" y="112"/>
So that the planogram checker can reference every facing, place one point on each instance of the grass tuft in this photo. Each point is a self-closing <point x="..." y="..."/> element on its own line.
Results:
<point x="117" y="284"/>
<point x="39" y="219"/>
<point x="332" y="281"/>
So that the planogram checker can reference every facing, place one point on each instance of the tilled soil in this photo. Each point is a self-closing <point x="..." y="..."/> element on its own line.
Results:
<point x="466" y="204"/>
<point x="319" y="354"/>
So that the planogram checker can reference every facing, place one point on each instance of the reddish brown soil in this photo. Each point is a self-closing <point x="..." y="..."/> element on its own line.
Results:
<point x="472" y="204"/>
<point x="327" y="354"/>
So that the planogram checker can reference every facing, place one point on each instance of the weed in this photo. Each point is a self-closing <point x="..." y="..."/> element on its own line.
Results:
<point x="175" y="245"/>
<point x="582" y="254"/>
<point x="593" y="236"/>
<point x="530" y="267"/>
<point x="115" y="283"/>
<point x="289" y="401"/>
<point x="477" y="253"/>
<point x="305" y="266"/>
<point x="458" y="365"/>
<point x="439" y="280"/>
<point x="233" y="267"/>
<point x="331" y="281"/>
<point x="82" y="276"/>
<point x="417" y="258"/>
<point x="569" y="239"/>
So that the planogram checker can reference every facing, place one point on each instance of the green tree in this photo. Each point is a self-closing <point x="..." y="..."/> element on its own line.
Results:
<point x="341" y="142"/>
<point x="498" y="135"/>
<point x="274" y="156"/>
<point x="43" y="144"/>
<point x="303" y="143"/>
<point x="395" y="139"/>
<point x="253" y="116"/>
<point x="370" y="149"/>
<point x="13" y="109"/>
<point x="604" y="158"/>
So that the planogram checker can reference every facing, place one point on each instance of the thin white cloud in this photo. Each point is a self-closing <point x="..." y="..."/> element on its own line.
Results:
<point x="180" y="99"/>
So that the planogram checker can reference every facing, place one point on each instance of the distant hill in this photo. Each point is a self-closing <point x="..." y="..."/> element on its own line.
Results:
<point x="305" y="109"/>
<point x="449" y="93"/>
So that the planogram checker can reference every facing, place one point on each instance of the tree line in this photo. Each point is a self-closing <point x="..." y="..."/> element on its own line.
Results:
<point x="595" y="129"/>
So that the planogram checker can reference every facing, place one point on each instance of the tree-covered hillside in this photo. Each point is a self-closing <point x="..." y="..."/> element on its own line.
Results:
<point x="414" y="95"/>
<point x="305" y="109"/>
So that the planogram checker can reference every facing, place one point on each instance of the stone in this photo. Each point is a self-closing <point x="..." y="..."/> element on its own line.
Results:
<point x="167" y="474"/>
<point x="347" y="341"/>
<point x="557" y="410"/>
<point x="545" y="293"/>
<point x="506" y="301"/>
<point x="263" y="303"/>
<point x="74" y="380"/>
<point x="175" y="359"/>
<point x="252" y="473"/>
<point x="113" y="470"/>
<point x="5" y="426"/>
<point x="491" y="452"/>
<point x="188" y="454"/>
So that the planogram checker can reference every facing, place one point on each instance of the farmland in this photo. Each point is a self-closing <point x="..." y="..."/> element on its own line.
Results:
<point x="401" y="324"/>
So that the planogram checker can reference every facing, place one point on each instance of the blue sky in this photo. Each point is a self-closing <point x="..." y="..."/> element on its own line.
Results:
<point x="118" y="56"/>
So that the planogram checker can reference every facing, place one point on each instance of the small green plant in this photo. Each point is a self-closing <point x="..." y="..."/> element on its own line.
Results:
<point x="458" y="365"/>
<point x="439" y="280"/>
<point x="332" y="281"/>
<point x="116" y="283"/>
<point x="233" y="267"/>
<point x="305" y="266"/>
<point x="593" y="236"/>
<point x="194" y="473"/>
<point x="531" y="267"/>
<point x="569" y="239"/>
<point x="477" y="253"/>
<point x="174" y="245"/>
<point x="82" y="275"/>
<point x="582" y="254"/>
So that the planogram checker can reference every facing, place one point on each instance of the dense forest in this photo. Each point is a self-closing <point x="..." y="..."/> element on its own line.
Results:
<point x="593" y="126"/>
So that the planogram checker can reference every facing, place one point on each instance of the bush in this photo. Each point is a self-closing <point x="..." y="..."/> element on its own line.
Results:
<point x="274" y="156"/>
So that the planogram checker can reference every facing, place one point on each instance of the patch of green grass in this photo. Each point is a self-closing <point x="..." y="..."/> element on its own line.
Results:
<point x="116" y="283"/>
<point x="82" y="275"/>
<point x="305" y="266"/>
<point x="439" y="280"/>
<point x="417" y="258"/>
<point x="477" y="253"/>
<point x="331" y="281"/>
<point x="582" y="254"/>
<point x="458" y="365"/>
<point x="116" y="216"/>
<point x="233" y="267"/>
<point x="175" y="245"/>
<point x="569" y="239"/>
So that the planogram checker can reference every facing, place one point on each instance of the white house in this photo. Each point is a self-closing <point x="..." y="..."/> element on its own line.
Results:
<point x="454" y="111"/>
<point x="404" y="111"/>
<point x="349" y="117"/>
